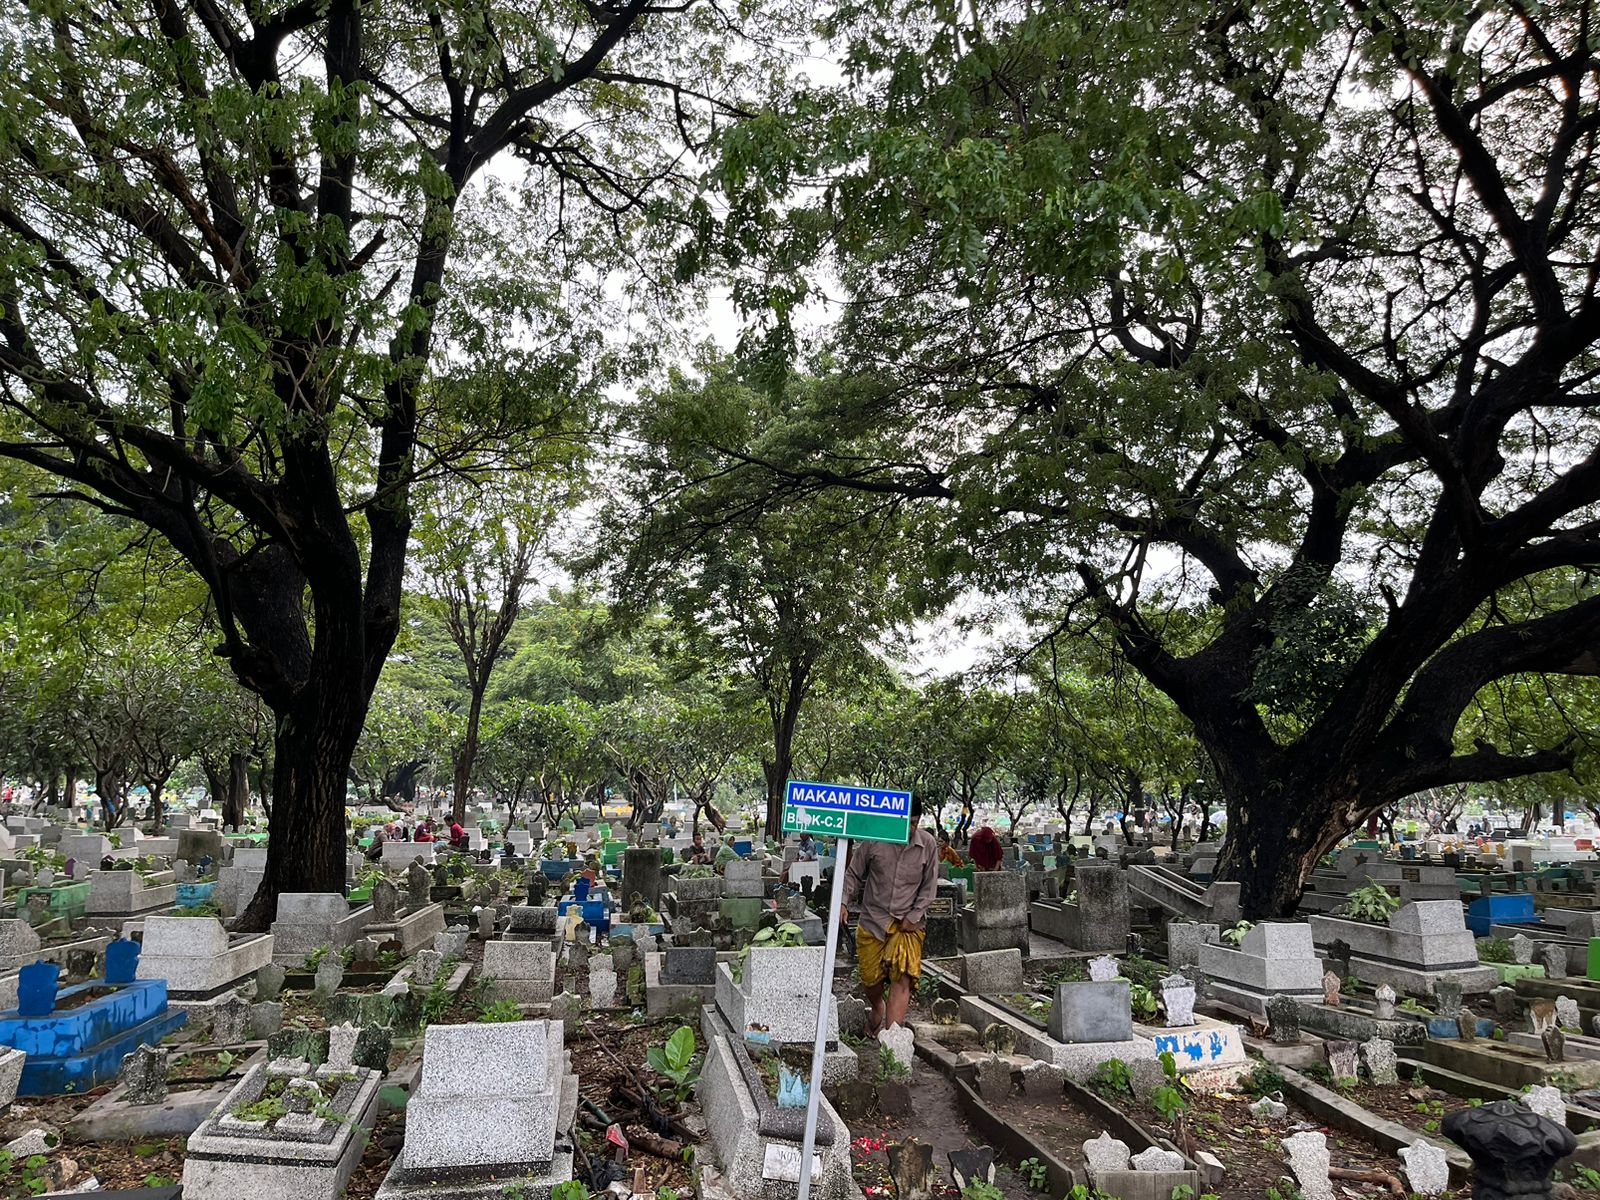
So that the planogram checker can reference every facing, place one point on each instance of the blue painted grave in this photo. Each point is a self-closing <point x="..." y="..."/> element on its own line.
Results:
<point x="190" y="894"/>
<point x="76" y="1039"/>
<point x="1510" y="908"/>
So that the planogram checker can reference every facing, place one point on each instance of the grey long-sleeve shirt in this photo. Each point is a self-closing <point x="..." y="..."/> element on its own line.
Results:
<point x="892" y="882"/>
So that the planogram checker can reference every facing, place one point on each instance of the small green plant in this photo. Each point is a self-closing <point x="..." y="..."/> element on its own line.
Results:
<point x="500" y="1012"/>
<point x="314" y="959"/>
<point x="786" y="934"/>
<point x="1168" y="1099"/>
<point x="1318" y="1071"/>
<point x="927" y="988"/>
<point x="890" y="1068"/>
<point x="154" y="1180"/>
<point x="1287" y="1193"/>
<point x="1034" y="1173"/>
<point x="572" y="1189"/>
<point x="666" y="1193"/>
<point x="267" y="1108"/>
<point x="1371" y="903"/>
<point x="1495" y="950"/>
<point x="1412" y="1004"/>
<point x="1113" y="1079"/>
<point x="1264" y="1080"/>
<point x="1143" y="1001"/>
<point x="982" y="1189"/>
<point x="1234" y="934"/>
<point x="674" y="1061"/>
<point x="1586" y="1178"/>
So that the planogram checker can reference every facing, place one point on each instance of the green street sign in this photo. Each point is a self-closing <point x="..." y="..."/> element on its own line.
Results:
<point x="835" y="811"/>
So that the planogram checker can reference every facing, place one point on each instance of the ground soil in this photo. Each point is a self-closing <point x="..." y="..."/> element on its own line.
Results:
<point x="936" y="1118"/>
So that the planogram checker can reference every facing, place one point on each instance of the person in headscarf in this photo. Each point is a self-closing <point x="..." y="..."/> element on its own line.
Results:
<point x="986" y="850"/>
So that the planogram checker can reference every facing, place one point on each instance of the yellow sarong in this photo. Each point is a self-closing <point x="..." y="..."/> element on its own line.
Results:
<point x="898" y="954"/>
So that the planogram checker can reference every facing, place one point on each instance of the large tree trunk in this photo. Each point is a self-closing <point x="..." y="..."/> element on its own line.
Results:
<point x="236" y="794"/>
<point x="1275" y="838"/>
<point x="311" y="761"/>
<point x="468" y="755"/>
<point x="113" y="803"/>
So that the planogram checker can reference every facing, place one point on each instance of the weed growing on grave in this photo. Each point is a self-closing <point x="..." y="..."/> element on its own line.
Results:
<point x="1288" y="1192"/>
<point x="1412" y="1004"/>
<point x="438" y="1000"/>
<point x="1586" y="1178"/>
<point x="1143" y="1001"/>
<point x="500" y="1013"/>
<point x="1034" y="1173"/>
<point x="1081" y="1191"/>
<point x="1234" y="934"/>
<point x="1371" y="903"/>
<point x="1184" y="1192"/>
<point x="1168" y="1099"/>
<point x="1318" y="1072"/>
<point x="927" y="989"/>
<point x="674" y="1061"/>
<point x="572" y="1189"/>
<point x="787" y="934"/>
<point x="29" y="1174"/>
<point x="1264" y="1080"/>
<point x="154" y="1180"/>
<point x="1113" y="1079"/>
<point x="890" y="1068"/>
<point x="666" y="1193"/>
<point x="1495" y="950"/>
<point x="982" y="1189"/>
<point x="1433" y="1109"/>
<point x="314" y="959"/>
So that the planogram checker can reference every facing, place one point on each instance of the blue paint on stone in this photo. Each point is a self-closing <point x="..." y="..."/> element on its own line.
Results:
<point x="83" y="1046"/>
<point x="1514" y="908"/>
<point x="36" y="989"/>
<point x="190" y="894"/>
<point x="122" y="961"/>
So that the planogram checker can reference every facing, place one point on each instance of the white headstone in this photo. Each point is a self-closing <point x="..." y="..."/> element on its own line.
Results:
<point x="1547" y="1102"/>
<point x="1567" y="1015"/>
<point x="1308" y="1159"/>
<point x="1105" y="1153"/>
<point x="1427" y="1167"/>
<point x="1104" y="968"/>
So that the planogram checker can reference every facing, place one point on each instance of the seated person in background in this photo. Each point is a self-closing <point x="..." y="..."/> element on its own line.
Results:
<point x="947" y="852"/>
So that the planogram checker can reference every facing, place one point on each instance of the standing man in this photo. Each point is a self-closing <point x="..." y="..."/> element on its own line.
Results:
<point x="896" y="886"/>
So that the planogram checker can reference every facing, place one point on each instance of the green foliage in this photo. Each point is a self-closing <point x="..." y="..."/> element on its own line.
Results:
<point x="674" y="1061"/>
<point x="1034" y="1173"/>
<point x="1113" y="1079"/>
<point x="500" y="1012"/>
<point x="1264" y="1080"/>
<point x="1168" y="1099"/>
<point x="1586" y="1178"/>
<point x="1144" y="1002"/>
<point x="1495" y="950"/>
<point x="572" y="1189"/>
<point x="982" y="1189"/>
<point x="1373" y="902"/>
<point x="1234" y="934"/>
<point x="891" y="1068"/>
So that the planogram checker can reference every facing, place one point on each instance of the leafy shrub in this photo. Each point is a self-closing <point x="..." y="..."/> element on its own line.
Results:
<point x="1370" y="903"/>
<point x="500" y="1012"/>
<point x="1495" y="950"/>
<point x="1264" y="1080"/>
<point x="674" y="1060"/>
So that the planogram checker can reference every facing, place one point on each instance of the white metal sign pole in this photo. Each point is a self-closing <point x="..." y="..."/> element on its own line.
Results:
<point x="814" y="1092"/>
